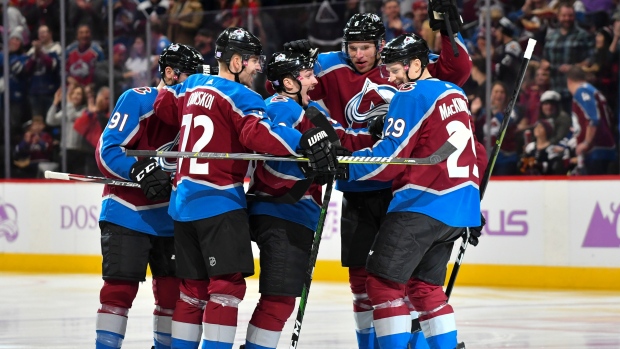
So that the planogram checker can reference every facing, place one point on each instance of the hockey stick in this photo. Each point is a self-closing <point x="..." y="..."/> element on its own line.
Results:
<point x="498" y="143"/>
<point x="311" y="264"/>
<point x="89" y="179"/>
<point x="440" y="155"/>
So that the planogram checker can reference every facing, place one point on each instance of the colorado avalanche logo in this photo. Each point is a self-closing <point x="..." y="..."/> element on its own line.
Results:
<point x="8" y="222"/>
<point x="237" y="34"/>
<point x="408" y="40"/>
<point x="280" y="57"/>
<point x="372" y="101"/>
<point x="79" y="68"/>
<point x="173" y="47"/>
<point x="169" y="164"/>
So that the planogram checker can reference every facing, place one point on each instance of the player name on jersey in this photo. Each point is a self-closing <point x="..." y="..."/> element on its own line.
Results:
<point x="203" y="99"/>
<point x="447" y="110"/>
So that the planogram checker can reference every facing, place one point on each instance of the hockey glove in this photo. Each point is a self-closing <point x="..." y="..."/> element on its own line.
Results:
<point x="476" y="232"/>
<point x="375" y="127"/>
<point x="154" y="181"/>
<point x="439" y="8"/>
<point x="302" y="46"/>
<point x="322" y="159"/>
<point x="342" y="171"/>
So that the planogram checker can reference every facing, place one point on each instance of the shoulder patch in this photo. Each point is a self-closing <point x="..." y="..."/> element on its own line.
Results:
<point x="142" y="90"/>
<point x="407" y="86"/>
<point x="279" y="98"/>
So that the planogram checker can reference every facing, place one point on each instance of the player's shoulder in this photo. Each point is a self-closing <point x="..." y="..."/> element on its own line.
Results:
<point x="332" y="60"/>
<point x="584" y="93"/>
<point x="138" y="99"/>
<point x="282" y="104"/>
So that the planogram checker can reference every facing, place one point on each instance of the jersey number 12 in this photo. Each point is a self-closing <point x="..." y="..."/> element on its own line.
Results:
<point x="190" y="122"/>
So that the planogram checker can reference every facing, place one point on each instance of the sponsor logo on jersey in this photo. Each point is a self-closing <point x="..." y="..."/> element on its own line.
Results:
<point x="369" y="103"/>
<point x="8" y="221"/>
<point x="458" y="105"/>
<point x="602" y="230"/>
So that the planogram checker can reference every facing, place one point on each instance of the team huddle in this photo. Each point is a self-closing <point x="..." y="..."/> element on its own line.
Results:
<point x="193" y="223"/>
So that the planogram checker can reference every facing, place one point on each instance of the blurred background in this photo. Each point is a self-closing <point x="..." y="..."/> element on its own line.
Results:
<point x="69" y="60"/>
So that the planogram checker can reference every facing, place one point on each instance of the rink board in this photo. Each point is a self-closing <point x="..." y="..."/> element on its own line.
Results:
<point x="559" y="233"/>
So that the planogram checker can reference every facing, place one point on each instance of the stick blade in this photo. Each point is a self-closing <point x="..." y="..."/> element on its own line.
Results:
<point x="56" y="175"/>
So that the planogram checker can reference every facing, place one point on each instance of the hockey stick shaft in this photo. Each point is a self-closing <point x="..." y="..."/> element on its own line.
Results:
<point x="438" y="156"/>
<point x="498" y="143"/>
<point x="89" y="179"/>
<point x="314" y="252"/>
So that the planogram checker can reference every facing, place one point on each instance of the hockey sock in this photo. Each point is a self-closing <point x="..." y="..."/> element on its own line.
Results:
<point x="362" y="310"/>
<point x="391" y="316"/>
<point x="116" y="298"/>
<point x="268" y="320"/>
<point x="166" y="293"/>
<point x="187" y="317"/>
<point x="436" y="315"/>
<point x="219" y="322"/>
<point x="417" y="341"/>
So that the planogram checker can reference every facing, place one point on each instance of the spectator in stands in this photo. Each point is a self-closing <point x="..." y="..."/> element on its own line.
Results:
<point x="241" y="10"/>
<point x="507" y="55"/>
<point x="596" y="148"/>
<point x="420" y="15"/>
<point x="550" y="110"/>
<point x="506" y="163"/>
<point x="564" y="48"/>
<point x="395" y="24"/>
<point x="18" y="83"/>
<point x="90" y="126"/>
<point x="76" y="105"/>
<point x="17" y="23"/>
<point x="530" y="98"/>
<point x="535" y="17"/>
<point x="35" y="147"/>
<point x="477" y="86"/>
<point x="89" y="13"/>
<point x="82" y="55"/>
<point x="138" y="64"/>
<point x="154" y="10"/>
<point x="204" y="43"/>
<point x="540" y="157"/>
<point x="42" y="68"/>
<point x="123" y="16"/>
<point x="159" y="41"/>
<point x="602" y="68"/>
<point x="122" y="76"/>
<point x="184" y="19"/>
<point x="432" y="38"/>
<point x="47" y="13"/>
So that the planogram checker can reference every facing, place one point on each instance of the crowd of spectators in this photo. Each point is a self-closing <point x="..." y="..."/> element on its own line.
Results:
<point x="577" y="41"/>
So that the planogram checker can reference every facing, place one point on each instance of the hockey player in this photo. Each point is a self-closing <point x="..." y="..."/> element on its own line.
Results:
<point x="431" y="204"/>
<point x="136" y="230"/>
<point x="354" y="91"/>
<point x="284" y="231"/>
<point x="221" y="114"/>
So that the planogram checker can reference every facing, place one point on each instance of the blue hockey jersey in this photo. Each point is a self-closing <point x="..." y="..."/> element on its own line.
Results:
<point x="217" y="115"/>
<point x="421" y="118"/>
<point x="133" y="126"/>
